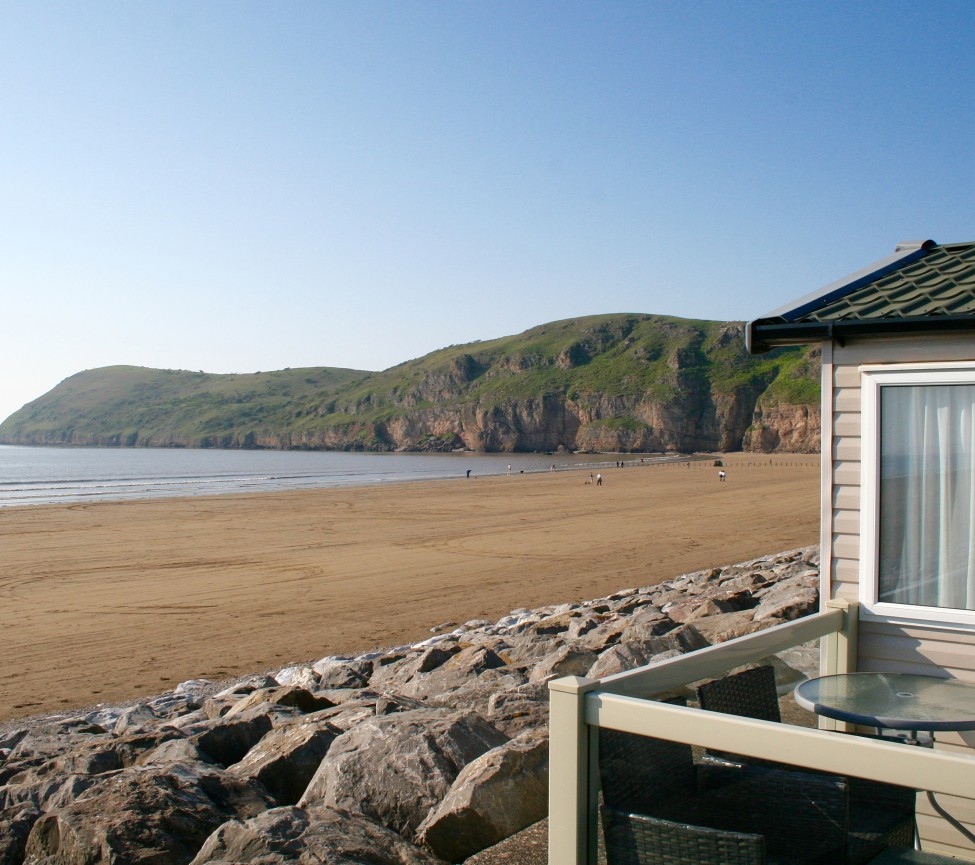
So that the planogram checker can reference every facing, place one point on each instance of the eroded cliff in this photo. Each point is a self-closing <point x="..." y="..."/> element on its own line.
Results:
<point x="601" y="383"/>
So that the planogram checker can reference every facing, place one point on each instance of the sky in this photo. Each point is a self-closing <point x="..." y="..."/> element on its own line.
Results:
<point x="235" y="186"/>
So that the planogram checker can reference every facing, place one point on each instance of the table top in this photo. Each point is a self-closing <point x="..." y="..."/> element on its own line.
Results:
<point x="896" y="701"/>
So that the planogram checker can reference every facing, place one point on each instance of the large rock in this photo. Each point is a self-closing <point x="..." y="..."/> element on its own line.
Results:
<point x="617" y="659"/>
<point x="286" y="759"/>
<point x="496" y="795"/>
<point x="45" y="792"/>
<point x="310" y="836"/>
<point x="397" y="767"/>
<point x="566" y="661"/>
<point x="151" y="814"/>
<point x="683" y="638"/>
<point x="514" y="712"/>
<point x="788" y="605"/>
<point x="288" y="696"/>
<point x="230" y="738"/>
<point x="343" y="672"/>
<point x="15" y="826"/>
<point x="727" y="626"/>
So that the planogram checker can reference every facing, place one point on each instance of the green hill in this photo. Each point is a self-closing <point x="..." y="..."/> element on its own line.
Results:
<point x="608" y="382"/>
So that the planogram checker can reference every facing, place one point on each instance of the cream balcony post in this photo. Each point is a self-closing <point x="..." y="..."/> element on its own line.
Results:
<point x="572" y="781"/>
<point x="840" y="652"/>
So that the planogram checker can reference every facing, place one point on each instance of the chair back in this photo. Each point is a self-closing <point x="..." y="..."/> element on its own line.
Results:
<point x="643" y="774"/>
<point x="750" y="693"/>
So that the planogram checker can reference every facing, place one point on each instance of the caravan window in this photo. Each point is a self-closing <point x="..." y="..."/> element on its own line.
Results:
<point x="918" y="492"/>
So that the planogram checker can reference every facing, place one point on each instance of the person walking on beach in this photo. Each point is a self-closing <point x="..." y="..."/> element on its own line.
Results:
<point x="599" y="480"/>
<point x="721" y="475"/>
<point x="468" y="473"/>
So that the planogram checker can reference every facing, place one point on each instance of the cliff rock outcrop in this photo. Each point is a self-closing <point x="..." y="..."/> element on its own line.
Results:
<point x="604" y="383"/>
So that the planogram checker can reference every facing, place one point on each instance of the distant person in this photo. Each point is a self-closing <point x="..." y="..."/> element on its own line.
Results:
<point x="553" y="467"/>
<point x="721" y="475"/>
<point x="590" y="477"/>
<point x="509" y="468"/>
<point x="468" y="473"/>
<point x="599" y="480"/>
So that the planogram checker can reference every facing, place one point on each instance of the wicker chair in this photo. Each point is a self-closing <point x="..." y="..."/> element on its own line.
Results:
<point x="634" y="839"/>
<point x="881" y="815"/>
<point x="662" y="808"/>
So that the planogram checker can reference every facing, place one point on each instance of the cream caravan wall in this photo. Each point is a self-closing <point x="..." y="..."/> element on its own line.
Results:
<point x="882" y="646"/>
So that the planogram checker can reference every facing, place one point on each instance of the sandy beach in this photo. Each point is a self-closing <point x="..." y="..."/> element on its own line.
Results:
<point x="109" y="601"/>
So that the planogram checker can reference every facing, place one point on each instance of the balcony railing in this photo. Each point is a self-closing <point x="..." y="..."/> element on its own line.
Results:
<point x="625" y="702"/>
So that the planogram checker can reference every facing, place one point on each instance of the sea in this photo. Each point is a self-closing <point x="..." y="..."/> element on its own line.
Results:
<point x="53" y="475"/>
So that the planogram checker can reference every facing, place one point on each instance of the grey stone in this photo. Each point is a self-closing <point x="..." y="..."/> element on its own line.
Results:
<point x="567" y="661"/>
<point x="147" y="814"/>
<point x="496" y="795"/>
<point x="395" y="768"/>
<point x="229" y="739"/>
<point x="309" y="836"/>
<point x="285" y="695"/>
<point x="174" y="751"/>
<point x="514" y="712"/>
<point x="343" y="673"/>
<point x="15" y="826"/>
<point x="286" y="759"/>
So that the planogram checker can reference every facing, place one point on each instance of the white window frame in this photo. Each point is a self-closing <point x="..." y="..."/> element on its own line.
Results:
<point x="873" y="377"/>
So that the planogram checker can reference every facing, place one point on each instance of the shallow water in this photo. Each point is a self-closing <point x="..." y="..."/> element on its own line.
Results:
<point x="46" y="475"/>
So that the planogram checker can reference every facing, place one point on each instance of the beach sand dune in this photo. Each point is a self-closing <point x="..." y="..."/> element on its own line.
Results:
<point x="108" y="601"/>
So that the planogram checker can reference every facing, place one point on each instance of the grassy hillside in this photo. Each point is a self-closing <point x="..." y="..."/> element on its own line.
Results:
<point x="607" y="355"/>
<point x="117" y="402"/>
<point x="607" y="369"/>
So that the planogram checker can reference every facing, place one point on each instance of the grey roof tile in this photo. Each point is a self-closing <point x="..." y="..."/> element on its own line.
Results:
<point x="941" y="283"/>
<point x="923" y="286"/>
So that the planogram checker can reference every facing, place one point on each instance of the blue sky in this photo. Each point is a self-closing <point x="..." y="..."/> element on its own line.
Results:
<point x="242" y="186"/>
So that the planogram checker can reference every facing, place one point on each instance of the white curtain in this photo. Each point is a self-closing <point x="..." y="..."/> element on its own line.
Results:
<point x="927" y="495"/>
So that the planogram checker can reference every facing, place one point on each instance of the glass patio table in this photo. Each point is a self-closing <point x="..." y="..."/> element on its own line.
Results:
<point x="892" y="701"/>
<point x="895" y="701"/>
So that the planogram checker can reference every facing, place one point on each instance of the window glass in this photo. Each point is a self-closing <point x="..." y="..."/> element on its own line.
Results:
<point x="927" y="495"/>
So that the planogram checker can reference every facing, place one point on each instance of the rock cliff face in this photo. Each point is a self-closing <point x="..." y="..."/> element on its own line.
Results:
<point x="790" y="428"/>
<point x="604" y="383"/>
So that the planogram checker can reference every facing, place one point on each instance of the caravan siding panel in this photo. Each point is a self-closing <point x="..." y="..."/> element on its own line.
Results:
<point x="847" y="424"/>
<point x="931" y="651"/>
<point x="846" y="522"/>
<point x="883" y="646"/>
<point x="846" y="546"/>
<point x="845" y="376"/>
<point x="846" y="570"/>
<point x="846" y="498"/>
<point x="847" y="400"/>
<point x="846" y="449"/>
<point x="937" y="835"/>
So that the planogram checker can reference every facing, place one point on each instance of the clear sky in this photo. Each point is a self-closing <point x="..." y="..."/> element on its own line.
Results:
<point x="242" y="186"/>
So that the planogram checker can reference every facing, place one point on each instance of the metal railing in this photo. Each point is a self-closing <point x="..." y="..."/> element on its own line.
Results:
<point x="624" y="702"/>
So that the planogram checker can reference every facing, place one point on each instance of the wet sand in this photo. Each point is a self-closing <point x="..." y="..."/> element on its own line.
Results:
<point x="109" y="601"/>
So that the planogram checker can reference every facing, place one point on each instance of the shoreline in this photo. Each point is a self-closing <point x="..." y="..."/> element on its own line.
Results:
<point x="108" y="601"/>
<point x="230" y="472"/>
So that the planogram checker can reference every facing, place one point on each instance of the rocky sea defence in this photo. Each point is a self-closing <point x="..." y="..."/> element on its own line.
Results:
<point x="412" y="755"/>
